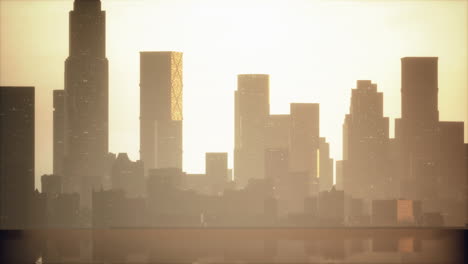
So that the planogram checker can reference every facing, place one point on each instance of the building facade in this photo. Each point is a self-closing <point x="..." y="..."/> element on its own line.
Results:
<point x="365" y="146"/>
<point x="16" y="155"/>
<point x="161" y="109"/>
<point x="86" y="100"/>
<point x="252" y="108"/>
<point x="59" y="131"/>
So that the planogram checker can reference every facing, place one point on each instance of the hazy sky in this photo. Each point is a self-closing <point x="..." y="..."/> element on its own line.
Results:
<point x="314" y="52"/>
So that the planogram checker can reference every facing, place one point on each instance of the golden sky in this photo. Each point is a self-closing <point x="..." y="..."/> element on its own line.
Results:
<point x="313" y="50"/>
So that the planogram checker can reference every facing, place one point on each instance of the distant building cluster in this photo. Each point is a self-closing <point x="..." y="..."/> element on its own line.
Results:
<point x="283" y="172"/>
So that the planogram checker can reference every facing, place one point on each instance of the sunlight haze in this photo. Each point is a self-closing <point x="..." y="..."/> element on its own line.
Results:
<point x="314" y="51"/>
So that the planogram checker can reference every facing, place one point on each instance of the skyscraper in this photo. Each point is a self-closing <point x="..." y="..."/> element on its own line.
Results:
<point x="16" y="155"/>
<point x="365" y="145"/>
<point x="252" y="108"/>
<point x="161" y="109"/>
<point x="86" y="100"/>
<point x="58" y="132"/>
<point x="419" y="90"/>
<point x="431" y="152"/>
<point x="304" y="139"/>
<point x="417" y="131"/>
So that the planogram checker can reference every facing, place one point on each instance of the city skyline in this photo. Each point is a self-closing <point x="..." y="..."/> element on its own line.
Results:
<point x="193" y="152"/>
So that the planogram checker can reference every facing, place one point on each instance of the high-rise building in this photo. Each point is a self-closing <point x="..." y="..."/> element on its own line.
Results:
<point x="325" y="166"/>
<point x="161" y="109"/>
<point x="86" y="100"/>
<point x="252" y="108"/>
<point x="430" y="152"/>
<point x="16" y="155"/>
<point x="419" y="90"/>
<point x="417" y="130"/>
<point x="216" y="170"/>
<point x="304" y="138"/>
<point x="59" y="131"/>
<point x="365" y="146"/>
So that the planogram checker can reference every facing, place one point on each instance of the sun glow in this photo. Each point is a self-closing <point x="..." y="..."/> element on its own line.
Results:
<point x="314" y="52"/>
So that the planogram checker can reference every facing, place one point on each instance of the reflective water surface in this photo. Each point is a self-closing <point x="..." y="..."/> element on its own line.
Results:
<point x="198" y="245"/>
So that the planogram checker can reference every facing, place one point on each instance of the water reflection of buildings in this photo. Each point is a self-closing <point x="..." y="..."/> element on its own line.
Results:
<point x="235" y="245"/>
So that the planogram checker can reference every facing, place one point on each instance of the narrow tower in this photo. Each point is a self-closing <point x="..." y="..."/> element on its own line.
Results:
<point x="86" y="100"/>
<point x="161" y="109"/>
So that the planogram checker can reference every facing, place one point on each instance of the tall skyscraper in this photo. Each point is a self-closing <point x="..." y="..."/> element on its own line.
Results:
<point x="59" y="131"/>
<point x="365" y="145"/>
<point x="252" y="108"/>
<point x="417" y="130"/>
<point x="419" y="90"/>
<point x="86" y="100"/>
<point x="431" y="152"/>
<point x="418" y="126"/>
<point x="161" y="109"/>
<point x="16" y="155"/>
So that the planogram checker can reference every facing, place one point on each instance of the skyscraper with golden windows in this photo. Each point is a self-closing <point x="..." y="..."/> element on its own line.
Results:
<point x="161" y="109"/>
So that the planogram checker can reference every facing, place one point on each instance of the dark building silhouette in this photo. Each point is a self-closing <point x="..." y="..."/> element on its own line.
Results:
<point x="325" y="166"/>
<point x="252" y="108"/>
<point x="452" y="176"/>
<point x="59" y="131"/>
<point x="304" y="138"/>
<point x="430" y="152"/>
<point x="16" y="155"/>
<point x="86" y="100"/>
<point x="51" y="185"/>
<point x="216" y="167"/>
<point x="128" y="176"/>
<point x="161" y="109"/>
<point x="365" y="146"/>
<point x="417" y="130"/>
